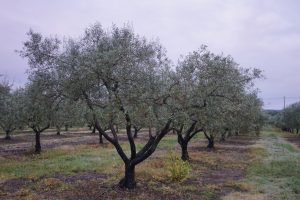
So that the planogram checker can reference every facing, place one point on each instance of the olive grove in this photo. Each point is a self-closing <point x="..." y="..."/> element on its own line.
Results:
<point x="114" y="78"/>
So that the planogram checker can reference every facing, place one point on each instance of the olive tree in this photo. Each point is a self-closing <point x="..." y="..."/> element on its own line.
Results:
<point x="42" y="95"/>
<point x="210" y="87"/>
<point x="37" y="110"/>
<point x="115" y="72"/>
<point x="67" y="113"/>
<point x="10" y="106"/>
<point x="248" y="116"/>
<point x="291" y="117"/>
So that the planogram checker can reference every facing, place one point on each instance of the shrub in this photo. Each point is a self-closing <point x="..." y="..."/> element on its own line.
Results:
<point x="177" y="168"/>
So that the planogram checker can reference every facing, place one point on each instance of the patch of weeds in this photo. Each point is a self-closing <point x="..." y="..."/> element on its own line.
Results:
<point x="178" y="169"/>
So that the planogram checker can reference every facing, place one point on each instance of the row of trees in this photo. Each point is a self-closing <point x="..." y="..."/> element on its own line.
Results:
<point x="288" y="119"/>
<point x="123" y="80"/>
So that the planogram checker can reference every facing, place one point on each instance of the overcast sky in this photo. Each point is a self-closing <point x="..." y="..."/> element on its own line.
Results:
<point x="257" y="33"/>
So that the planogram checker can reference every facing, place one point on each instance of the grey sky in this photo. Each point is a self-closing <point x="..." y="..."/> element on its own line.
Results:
<point x="257" y="33"/>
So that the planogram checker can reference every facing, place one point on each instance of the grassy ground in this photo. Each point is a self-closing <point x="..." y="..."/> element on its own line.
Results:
<point x="93" y="171"/>
<point x="276" y="175"/>
<point x="241" y="168"/>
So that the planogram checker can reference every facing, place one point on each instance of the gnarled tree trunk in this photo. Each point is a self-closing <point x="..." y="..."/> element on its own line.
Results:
<point x="37" y="130"/>
<point x="184" y="151"/>
<point x="211" y="140"/>
<point x="184" y="140"/>
<point x="211" y="143"/>
<point x="128" y="181"/>
<point x="38" y="147"/>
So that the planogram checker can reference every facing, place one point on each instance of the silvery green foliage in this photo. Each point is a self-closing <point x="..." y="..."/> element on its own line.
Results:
<point x="10" y="107"/>
<point x="38" y="107"/>
<point x="5" y="87"/>
<point x="118" y="72"/>
<point x="67" y="113"/>
<point x="211" y="88"/>
<point x="43" y="94"/>
<point x="40" y="52"/>
<point x="291" y="117"/>
<point x="248" y="114"/>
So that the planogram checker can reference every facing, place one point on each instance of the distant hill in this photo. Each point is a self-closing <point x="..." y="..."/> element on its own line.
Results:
<point x="272" y="112"/>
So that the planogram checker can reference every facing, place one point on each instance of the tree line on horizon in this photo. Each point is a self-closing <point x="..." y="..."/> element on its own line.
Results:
<point x="287" y="119"/>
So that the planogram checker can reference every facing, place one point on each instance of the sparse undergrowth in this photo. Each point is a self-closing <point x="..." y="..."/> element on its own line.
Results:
<point x="177" y="168"/>
<point x="277" y="174"/>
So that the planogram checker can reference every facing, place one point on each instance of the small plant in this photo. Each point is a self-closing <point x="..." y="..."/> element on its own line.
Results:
<point x="177" y="168"/>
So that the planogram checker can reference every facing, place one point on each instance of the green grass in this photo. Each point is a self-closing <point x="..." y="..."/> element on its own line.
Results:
<point x="287" y="146"/>
<point x="278" y="174"/>
<point x="169" y="142"/>
<point x="65" y="161"/>
<point x="70" y="160"/>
